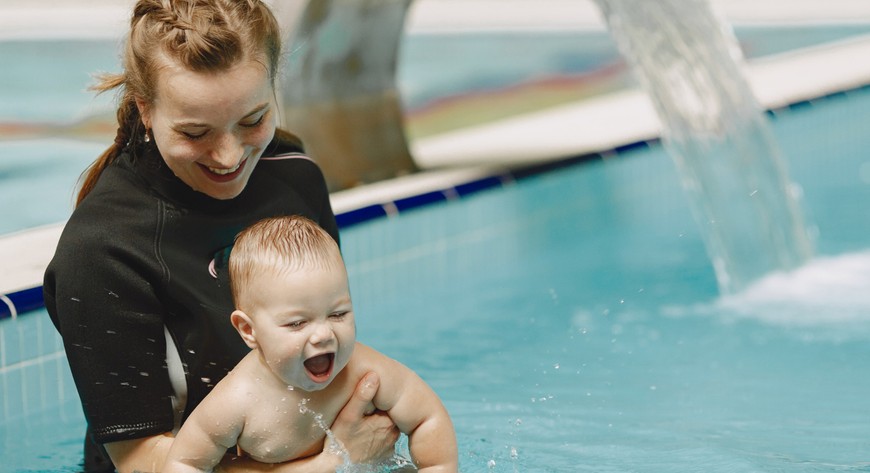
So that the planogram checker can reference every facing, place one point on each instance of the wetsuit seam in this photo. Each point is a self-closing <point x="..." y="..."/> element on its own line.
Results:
<point x="158" y="240"/>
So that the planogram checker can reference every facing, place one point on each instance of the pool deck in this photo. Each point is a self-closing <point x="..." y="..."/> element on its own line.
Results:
<point x="459" y="162"/>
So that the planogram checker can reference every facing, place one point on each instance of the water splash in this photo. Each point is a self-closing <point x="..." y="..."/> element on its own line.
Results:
<point x="333" y="445"/>
<point x="825" y="299"/>
<point x="396" y="463"/>
<point x="828" y="291"/>
<point x="688" y="61"/>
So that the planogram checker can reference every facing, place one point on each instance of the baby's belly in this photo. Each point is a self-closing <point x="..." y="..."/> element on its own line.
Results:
<point x="272" y="450"/>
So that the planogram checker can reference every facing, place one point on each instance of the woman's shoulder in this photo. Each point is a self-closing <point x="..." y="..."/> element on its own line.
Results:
<point x="109" y="217"/>
<point x="295" y="168"/>
<point x="286" y="149"/>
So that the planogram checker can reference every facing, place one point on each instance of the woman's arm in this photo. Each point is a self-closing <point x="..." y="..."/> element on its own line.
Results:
<point x="366" y="438"/>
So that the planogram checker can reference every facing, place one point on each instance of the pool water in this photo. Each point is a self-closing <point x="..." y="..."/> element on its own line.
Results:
<point x="571" y="322"/>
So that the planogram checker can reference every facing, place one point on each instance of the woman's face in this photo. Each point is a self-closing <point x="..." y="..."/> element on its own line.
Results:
<point x="212" y="127"/>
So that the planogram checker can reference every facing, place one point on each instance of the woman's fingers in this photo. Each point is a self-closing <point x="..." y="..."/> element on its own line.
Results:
<point x="366" y="438"/>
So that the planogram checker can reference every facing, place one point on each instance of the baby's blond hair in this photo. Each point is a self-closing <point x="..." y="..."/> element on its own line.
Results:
<point x="280" y="245"/>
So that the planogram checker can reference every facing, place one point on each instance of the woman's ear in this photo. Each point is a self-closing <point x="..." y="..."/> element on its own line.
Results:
<point x="144" y="112"/>
<point x="242" y="322"/>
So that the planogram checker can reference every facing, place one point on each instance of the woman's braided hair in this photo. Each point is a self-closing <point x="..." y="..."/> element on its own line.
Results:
<point x="201" y="35"/>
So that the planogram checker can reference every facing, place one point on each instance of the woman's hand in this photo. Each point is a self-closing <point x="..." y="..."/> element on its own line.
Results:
<point x="365" y="435"/>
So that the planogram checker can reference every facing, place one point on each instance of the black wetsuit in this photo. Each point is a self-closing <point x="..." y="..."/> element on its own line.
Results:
<point x="144" y="251"/>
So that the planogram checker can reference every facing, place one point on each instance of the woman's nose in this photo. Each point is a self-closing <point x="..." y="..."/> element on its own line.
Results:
<point x="228" y="151"/>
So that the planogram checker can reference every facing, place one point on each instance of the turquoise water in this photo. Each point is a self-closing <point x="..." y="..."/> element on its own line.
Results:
<point x="571" y="322"/>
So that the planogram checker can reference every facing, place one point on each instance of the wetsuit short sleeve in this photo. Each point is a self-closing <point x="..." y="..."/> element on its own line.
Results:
<point x="103" y="280"/>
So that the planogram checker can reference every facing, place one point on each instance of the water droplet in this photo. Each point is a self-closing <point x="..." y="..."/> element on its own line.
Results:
<point x="556" y="366"/>
<point x="206" y="380"/>
<point x="143" y="373"/>
<point x="490" y="464"/>
<point x="514" y="453"/>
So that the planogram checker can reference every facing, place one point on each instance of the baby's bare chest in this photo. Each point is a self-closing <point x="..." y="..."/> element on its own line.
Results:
<point x="290" y="427"/>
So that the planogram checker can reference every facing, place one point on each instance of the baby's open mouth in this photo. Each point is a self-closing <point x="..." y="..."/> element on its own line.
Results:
<point x="320" y="367"/>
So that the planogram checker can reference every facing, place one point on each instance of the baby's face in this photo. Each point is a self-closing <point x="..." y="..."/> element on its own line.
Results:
<point x="304" y="325"/>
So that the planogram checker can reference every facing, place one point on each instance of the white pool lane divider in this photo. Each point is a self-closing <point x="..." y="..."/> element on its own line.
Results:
<point x="461" y="162"/>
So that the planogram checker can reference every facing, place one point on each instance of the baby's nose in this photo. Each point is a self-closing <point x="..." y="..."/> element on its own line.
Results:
<point x="322" y="333"/>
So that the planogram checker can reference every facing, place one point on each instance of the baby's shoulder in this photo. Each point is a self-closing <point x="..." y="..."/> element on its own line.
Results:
<point x="365" y="356"/>
<point x="366" y="359"/>
<point x="244" y="387"/>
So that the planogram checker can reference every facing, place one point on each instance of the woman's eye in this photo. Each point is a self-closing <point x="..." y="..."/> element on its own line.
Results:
<point x="256" y="123"/>
<point x="193" y="136"/>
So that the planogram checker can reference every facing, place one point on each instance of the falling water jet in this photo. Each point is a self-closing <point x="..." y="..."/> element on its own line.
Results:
<point x="688" y="61"/>
<point x="334" y="445"/>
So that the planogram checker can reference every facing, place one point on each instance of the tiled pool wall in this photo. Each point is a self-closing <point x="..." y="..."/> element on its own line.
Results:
<point x="34" y="374"/>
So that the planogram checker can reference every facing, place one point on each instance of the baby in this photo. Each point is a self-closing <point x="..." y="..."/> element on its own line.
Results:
<point x="293" y="308"/>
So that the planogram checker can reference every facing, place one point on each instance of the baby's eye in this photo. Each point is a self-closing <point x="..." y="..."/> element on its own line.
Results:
<point x="296" y="324"/>
<point x="338" y="315"/>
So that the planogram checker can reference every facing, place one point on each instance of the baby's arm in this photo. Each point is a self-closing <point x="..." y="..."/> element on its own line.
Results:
<point x="211" y="429"/>
<point x="418" y="412"/>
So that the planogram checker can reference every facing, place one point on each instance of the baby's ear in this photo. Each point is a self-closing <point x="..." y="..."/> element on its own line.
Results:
<point x="242" y="322"/>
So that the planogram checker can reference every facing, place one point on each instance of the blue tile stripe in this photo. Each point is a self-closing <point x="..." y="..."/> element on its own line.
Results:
<point x="21" y="302"/>
<point x="30" y="299"/>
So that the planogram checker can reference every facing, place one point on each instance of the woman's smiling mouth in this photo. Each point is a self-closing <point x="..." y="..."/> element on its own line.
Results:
<point x="221" y="174"/>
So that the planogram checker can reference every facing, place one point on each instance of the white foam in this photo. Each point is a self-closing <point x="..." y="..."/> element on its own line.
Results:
<point x="827" y="291"/>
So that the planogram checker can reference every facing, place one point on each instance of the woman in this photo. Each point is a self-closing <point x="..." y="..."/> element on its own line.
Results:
<point x="138" y="285"/>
